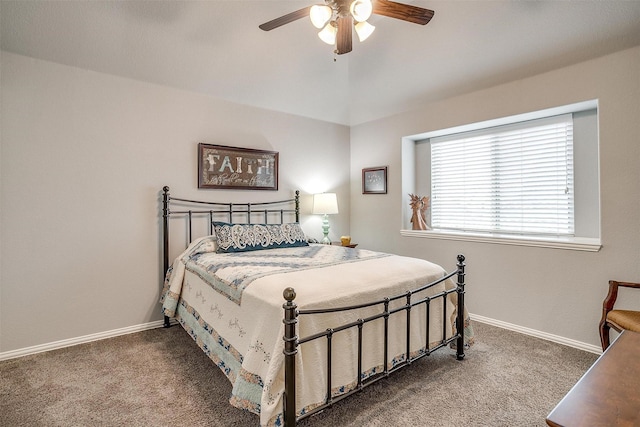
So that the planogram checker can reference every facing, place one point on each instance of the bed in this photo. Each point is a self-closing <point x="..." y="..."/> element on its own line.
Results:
<point x="297" y="326"/>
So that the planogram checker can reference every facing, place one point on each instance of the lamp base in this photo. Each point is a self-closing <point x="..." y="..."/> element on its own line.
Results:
<point x="325" y="230"/>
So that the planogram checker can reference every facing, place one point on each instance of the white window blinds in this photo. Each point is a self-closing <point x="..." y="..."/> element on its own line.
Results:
<point x="512" y="179"/>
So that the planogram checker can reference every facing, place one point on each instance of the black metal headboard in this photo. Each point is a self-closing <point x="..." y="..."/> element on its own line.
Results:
<point x="244" y="213"/>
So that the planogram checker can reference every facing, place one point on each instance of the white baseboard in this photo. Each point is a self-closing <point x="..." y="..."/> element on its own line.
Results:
<point x="538" y="334"/>
<point x="157" y="324"/>
<point x="79" y="340"/>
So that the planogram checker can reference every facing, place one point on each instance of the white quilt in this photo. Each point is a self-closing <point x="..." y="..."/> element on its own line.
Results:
<point x="243" y="336"/>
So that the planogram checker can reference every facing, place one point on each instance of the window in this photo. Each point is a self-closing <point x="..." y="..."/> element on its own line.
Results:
<point x="530" y="179"/>
<point x="512" y="179"/>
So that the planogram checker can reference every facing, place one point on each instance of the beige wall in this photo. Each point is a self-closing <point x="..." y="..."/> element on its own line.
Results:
<point x="554" y="291"/>
<point x="84" y="156"/>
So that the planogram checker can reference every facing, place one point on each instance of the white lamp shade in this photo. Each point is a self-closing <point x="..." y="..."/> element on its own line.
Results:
<point x="328" y="34"/>
<point x="320" y="15"/>
<point x="364" y="30"/>
<point x="361" y="10"/>
<point x="325" y="203"/>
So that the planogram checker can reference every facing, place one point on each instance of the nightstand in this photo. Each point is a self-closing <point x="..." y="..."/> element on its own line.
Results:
<point x="350" y="245"/>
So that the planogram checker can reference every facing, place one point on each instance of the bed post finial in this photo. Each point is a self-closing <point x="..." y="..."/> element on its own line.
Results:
<point x="290" y="350"/>
<point x="289" y="294"/>
<point x="460" y="314"/>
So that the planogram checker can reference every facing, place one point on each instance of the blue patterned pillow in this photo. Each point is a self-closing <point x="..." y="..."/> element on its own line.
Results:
<point x="253" y="237"/>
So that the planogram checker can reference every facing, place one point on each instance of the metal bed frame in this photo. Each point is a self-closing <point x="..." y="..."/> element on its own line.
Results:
<point x="266" y="210"/>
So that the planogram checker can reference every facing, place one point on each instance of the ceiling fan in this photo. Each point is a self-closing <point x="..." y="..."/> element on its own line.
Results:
<point x="336" y="18"/>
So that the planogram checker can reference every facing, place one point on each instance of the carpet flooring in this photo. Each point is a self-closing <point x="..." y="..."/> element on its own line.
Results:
<point x="161" y="378"/>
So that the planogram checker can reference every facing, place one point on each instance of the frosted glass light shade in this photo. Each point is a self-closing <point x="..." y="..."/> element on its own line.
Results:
<point x="328" y="34"/>
<point x="364" y="30"/>
<point x="325" y="203"/>
<point x="361" y="10"/>
<point x="320" y="15"/>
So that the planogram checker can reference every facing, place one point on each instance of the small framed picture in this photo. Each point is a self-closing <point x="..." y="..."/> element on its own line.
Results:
<point x="374" y="180"/>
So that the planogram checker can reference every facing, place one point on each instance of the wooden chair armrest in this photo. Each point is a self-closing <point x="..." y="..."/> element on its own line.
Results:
<point x="628" y="284"/>
<point x="610" y="300"/>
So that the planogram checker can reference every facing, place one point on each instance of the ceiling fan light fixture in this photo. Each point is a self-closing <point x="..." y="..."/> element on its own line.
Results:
<point x="320" y="14"/>
<point x="361" y="10"/>
<point x="337" y="19"/>
<point x="328" y="34"/>
<point x="364" y="30"/>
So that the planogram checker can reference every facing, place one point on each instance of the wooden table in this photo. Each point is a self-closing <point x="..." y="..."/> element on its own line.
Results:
<point x="609" y="393"/>
<point x="350" y="245"/>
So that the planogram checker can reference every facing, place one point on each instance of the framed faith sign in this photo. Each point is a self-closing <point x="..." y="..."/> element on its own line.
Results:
<point x="236" y="168"/>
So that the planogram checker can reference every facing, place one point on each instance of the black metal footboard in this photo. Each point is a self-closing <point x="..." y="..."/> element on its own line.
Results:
<point x="291" y="340"/>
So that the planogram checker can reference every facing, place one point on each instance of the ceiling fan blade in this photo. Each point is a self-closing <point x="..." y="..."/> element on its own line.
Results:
<point x="406" y="12"/>
<point x="344" y="41"/>
<point x="285" y="19"/>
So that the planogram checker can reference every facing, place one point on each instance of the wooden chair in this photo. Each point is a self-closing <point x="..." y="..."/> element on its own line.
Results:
<point x="617" y="319"/>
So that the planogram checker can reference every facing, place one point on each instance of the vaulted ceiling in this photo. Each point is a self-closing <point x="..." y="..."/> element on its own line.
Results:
<point x="216" y="48"/>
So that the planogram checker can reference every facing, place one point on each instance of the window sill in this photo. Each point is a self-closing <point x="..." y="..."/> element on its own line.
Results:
<point x="570" y="243"/>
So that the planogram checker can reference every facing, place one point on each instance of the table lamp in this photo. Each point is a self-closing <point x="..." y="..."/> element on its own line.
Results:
<point x="325" y="204"/>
